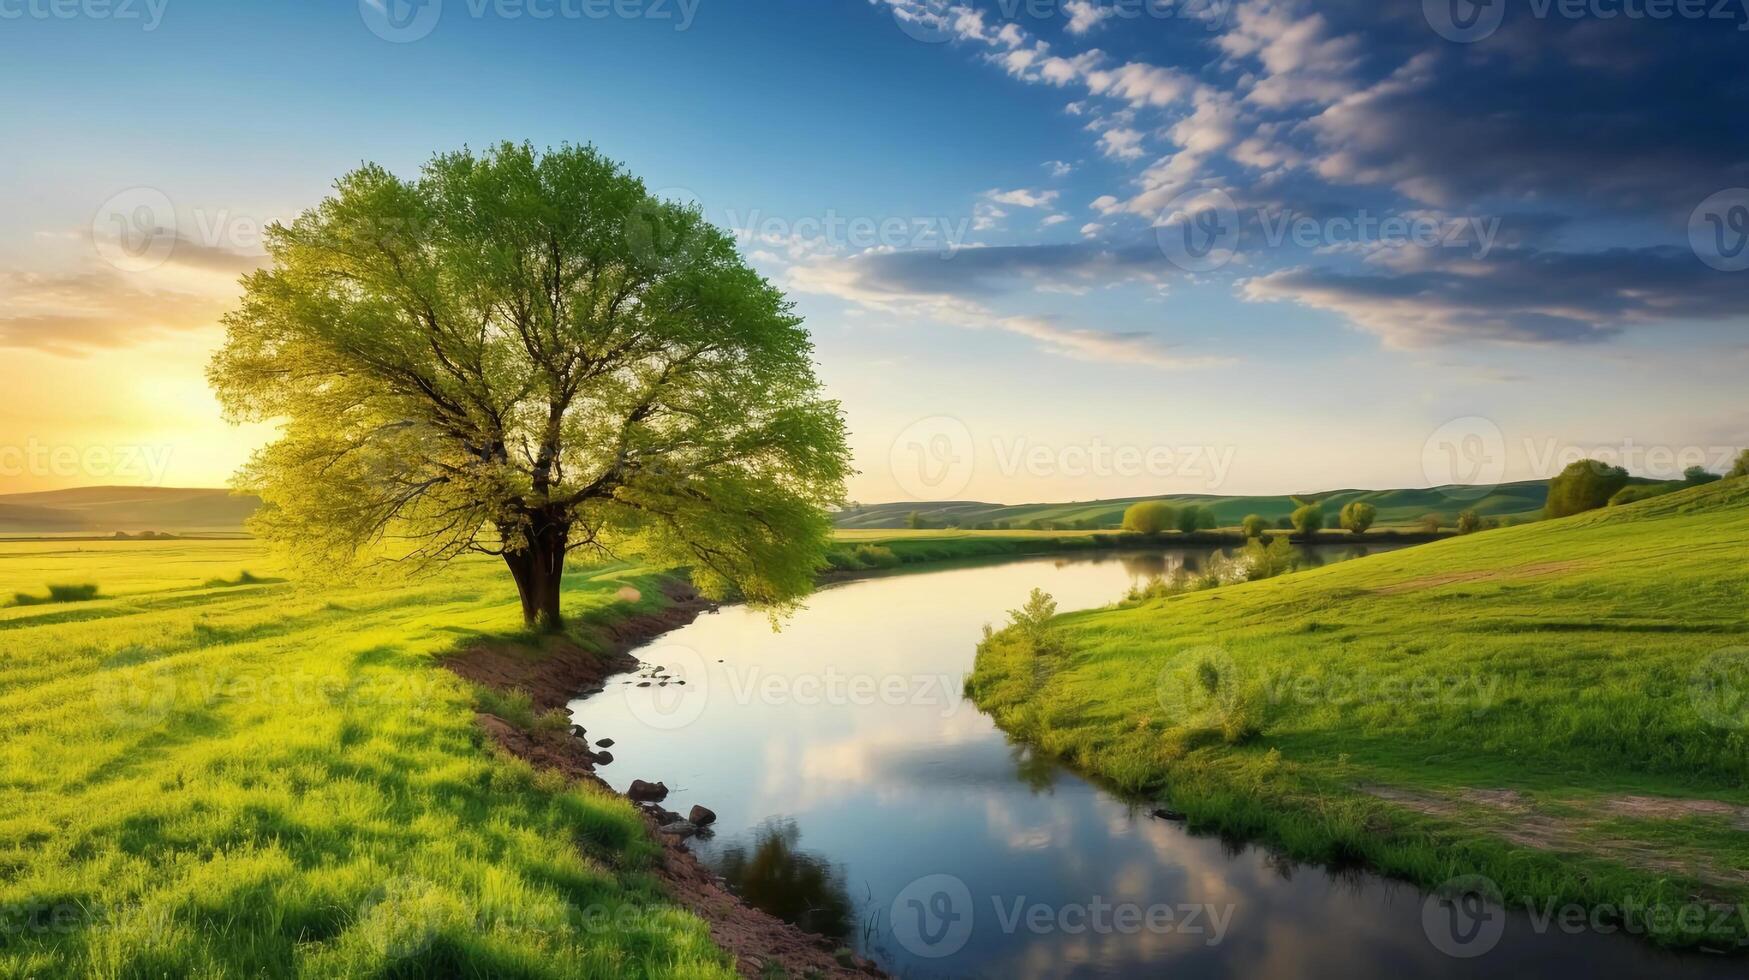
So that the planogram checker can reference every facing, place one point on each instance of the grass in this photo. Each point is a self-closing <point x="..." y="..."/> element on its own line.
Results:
<point x="1396" y="508"/>
<point x="205" y="780"/>
<point x="1497" y="704"/>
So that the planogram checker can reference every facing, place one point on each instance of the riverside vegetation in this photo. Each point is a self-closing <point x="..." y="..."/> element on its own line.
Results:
<point x="1558" y="706"/>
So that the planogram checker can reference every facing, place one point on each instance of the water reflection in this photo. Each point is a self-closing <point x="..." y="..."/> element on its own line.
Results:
<point x="847" y="730"/>
<point x="775" y="874"/>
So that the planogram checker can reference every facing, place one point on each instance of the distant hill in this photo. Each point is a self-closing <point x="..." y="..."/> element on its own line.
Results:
<point x="104" y="510"/>
<point x="1395" y="507"/>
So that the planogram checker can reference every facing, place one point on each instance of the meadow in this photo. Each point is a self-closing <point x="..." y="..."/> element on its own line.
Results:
<point x="1562" y="707"/>
<point x="207" y="773"/>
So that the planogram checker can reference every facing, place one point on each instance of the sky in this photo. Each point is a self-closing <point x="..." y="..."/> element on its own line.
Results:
<point x="1047" y="249"/>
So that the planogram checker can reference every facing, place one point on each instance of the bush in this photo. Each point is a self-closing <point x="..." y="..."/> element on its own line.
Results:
<point x="1033" y="620"/>
<point x="1149" y="517"/>
<point x="1269" y="560"/>
<point x="1193" y="519"/>
<point x="1254" y="525"/>
<point x="1309" y="520"/>
<point x="1469" y="522"/>
<point x="1358" y="516"/>
<point x="1431" y="523"/>
<point x="1584" y="485"/>
<point x="1646" y="491"/>
<point x="1695" y="476"/>
<point x="1741" y="469"/>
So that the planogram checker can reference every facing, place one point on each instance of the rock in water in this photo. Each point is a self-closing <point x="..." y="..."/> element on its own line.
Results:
<point x="701" y="816"/>
<point x="679" y="828"/>
<point x="645" y="792"/>
<point x="606" y="743"/>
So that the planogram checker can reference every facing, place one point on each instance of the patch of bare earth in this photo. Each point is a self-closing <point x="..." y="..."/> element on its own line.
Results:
<point x="1480" y="575"/>
<point x="553" y="678"/>
<point x="1520" y="823"/>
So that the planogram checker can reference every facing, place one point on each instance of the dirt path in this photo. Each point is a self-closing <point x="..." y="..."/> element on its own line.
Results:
<point x="758" y="940"/>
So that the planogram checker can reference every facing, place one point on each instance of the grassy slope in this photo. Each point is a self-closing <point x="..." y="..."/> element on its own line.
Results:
<point x="1561" y="654"/>
<point x="278" y="780"/>
<point x="1399" y="507"/>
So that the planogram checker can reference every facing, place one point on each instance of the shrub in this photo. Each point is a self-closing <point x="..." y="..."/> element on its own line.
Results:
<point x="1741" y="469"/>
<point x="1269" y="560"/>
<point x="1254" y="525"/>
<point x="1431" y="523"/>
<point x="1033" y="620"/>
<point x="1694" y="476"/>
<point x="1468" y="522"/>
<point x="1149" y="517"/>
<point x="1584" y="485"/>
<point x="1644" y="491"/>
<point x="1194" y="518"/>
<point x="1358" y="515"/>
<point x="1309" y="520"/>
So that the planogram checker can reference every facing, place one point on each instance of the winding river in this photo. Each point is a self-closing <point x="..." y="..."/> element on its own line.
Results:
<point x="859" y="794"/>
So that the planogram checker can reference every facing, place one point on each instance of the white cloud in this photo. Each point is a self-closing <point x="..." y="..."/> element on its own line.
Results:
<point x="1023" y="198"/>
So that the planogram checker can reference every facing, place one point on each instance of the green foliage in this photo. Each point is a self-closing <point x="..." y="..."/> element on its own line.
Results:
<point x="1584" y="485"/>
<point x="1149" y="517"/>
<point x="1431" y="523"/>
<point x="1271" y="559"/>
<point x="527" y="354"/>
<point x="1696" y="476"/>
<point x="1646" y="491"/>
<point x="1196" y="518"/>
<point x="1740" y="468"/>
<point x="1308" y="520"/>
<point x="57" y="594"/>
<point x="1468" y="522"/>
<point x="1032" y="621"/>
<point x="1357" y="516"/>
<point x="1254" y="525"/>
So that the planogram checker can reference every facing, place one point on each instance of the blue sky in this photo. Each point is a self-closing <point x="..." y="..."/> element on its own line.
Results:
<point x="982" y="210"/>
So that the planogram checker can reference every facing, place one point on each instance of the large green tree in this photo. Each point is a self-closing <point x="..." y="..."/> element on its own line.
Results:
<point x="1584" y="485"/>
<point x="526" y="354"/>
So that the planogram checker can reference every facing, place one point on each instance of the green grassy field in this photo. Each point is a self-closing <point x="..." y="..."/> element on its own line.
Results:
<point x="273" y="779"/>
<point x="1396" y="508"/>
<point x="1561" y="707"/>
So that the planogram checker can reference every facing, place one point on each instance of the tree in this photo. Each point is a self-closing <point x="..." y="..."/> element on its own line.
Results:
<point x="1741" y="468"/>
<point x="526" y="354"/>
<point x="1694" y="476"/>
<point x="1431" y="523"/>
<point x="1254" y="525"/>
<point x="1358" y="515"/>
<point x="1584" y="485"/>
<point x="1309" y="520"/>
<point x="1149" y="517"/>
<point x="1194" y="518"/>
<point x="1469" y="522"/>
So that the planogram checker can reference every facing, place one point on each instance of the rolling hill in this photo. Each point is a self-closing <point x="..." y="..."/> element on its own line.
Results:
<point x="1397" y="507"/>
<point x="105" y="510"/>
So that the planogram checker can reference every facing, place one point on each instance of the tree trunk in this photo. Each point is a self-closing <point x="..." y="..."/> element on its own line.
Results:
<point x="539" y="571"/>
